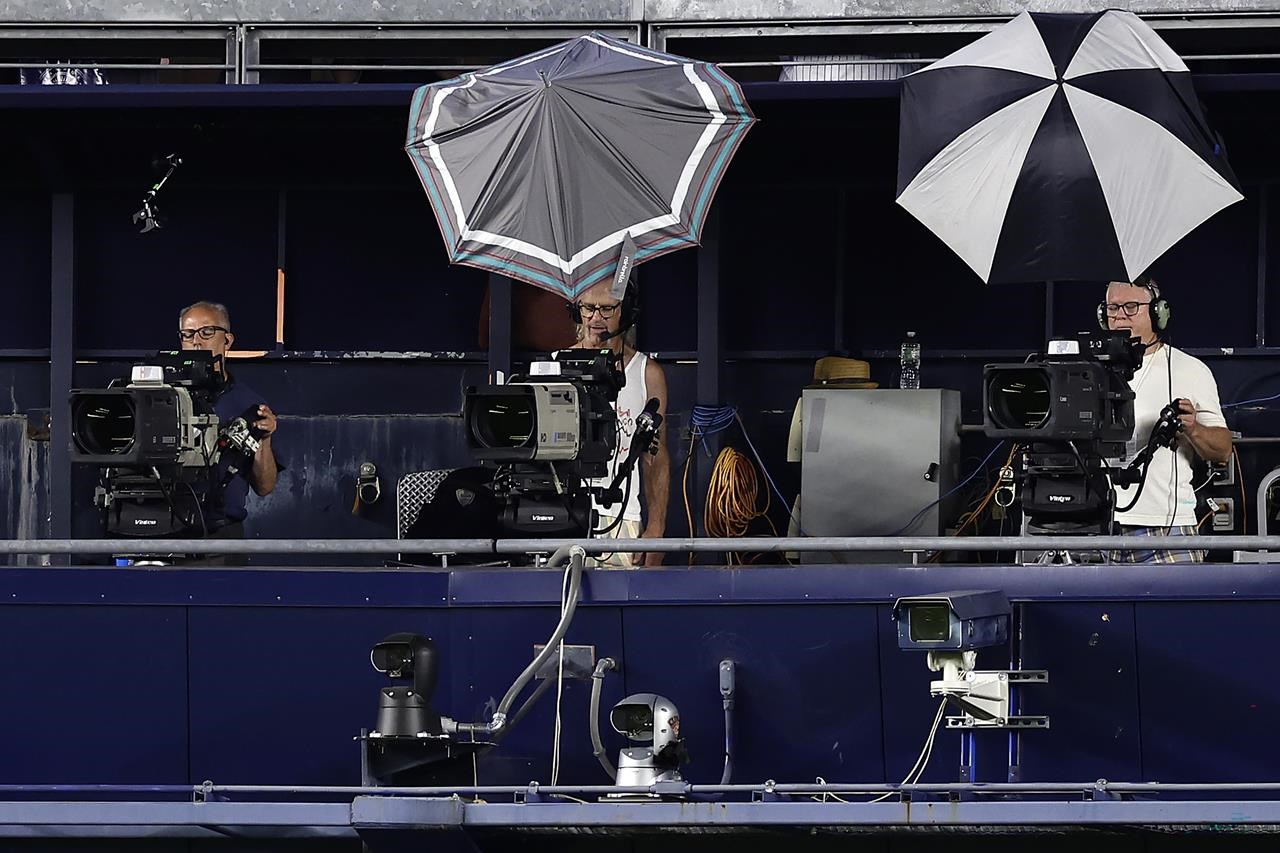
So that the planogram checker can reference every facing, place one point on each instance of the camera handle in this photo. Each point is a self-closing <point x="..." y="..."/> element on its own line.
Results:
<point x="1163" y="434"/>
<point x="645" y="440"/>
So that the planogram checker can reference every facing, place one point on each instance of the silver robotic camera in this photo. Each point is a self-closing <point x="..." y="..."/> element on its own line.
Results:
<point x="648" y="718"/>
<point x="951" y="627"/>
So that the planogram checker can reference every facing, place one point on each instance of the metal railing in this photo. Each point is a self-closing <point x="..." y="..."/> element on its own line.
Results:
<point x="913" y="545"/>
<point x="244" y="60"/>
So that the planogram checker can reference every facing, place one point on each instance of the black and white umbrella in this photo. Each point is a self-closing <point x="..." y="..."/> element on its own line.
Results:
<point x="1060" y="147"/>
<point x="543" y="168"/>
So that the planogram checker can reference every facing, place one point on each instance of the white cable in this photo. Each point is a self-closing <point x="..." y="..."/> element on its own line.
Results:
<point x="917" y="769"/>
<point x="555" y="744"/>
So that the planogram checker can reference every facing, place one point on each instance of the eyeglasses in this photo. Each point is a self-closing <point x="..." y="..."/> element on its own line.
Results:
<point x="1130" y="309"/>
<point x="205" y="332"/>
<point x="605" y="311"/>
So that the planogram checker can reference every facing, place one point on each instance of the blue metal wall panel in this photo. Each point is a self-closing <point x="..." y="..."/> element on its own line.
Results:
<point x="1208" y="693"/>
<point x="94" y="694"/>
<point x="490" y="648"/>
<point x="1092" y="695"/>
<point x="807" y="677"/>
<point x="278" y="693"/>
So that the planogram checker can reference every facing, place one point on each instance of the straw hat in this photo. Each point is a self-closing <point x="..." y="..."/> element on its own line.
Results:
<point x="843" y="372"/>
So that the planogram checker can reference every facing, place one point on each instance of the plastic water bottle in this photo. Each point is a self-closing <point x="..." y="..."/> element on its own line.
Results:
<point x="909" y="363"/>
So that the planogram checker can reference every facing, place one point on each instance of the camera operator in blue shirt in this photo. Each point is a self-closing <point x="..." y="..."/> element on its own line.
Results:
<point x="207" y="326"/>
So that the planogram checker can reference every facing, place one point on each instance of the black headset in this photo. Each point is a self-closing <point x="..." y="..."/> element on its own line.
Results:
<point x="1158" y="307"/>
<point x="630" y="309"/>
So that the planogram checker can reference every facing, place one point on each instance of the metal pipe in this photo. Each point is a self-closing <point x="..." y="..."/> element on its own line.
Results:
<point x="893" y="543"/>
<point x="577" y="557"/>
<point x="728" y="693"/>
<point x="1261" y="508"/>
<point x="980" y="788"/>
<point x="525" y="707"/>
<point x="125" y="66"/>
<point x="602" y="546"/>
<point x="597" y="745"/>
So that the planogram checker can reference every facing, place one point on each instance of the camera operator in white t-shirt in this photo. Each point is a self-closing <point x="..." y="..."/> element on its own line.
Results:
<point x="1167" y="504"/>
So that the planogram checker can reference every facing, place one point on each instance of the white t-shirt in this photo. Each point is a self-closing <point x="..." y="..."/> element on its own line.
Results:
<point x="1192" y="380"/>
<point x="631" y="400"/>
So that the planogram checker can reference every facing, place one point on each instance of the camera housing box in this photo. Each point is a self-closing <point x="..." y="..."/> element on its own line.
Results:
<point x="562" y="413"/>
<point x="1078" y="392"/>
<point x="137" y="427"/>
<point x="957" y="621"/>
<point x="163" y="417"/>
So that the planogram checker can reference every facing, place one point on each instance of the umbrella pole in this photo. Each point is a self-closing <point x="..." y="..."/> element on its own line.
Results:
<point x="499" y="329"/>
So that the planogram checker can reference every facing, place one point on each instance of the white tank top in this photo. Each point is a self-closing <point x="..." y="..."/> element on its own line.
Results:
<point x="631" y="400"/>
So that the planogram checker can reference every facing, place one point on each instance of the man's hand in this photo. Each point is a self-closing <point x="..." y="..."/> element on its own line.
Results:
<point x="264" y="473"/>
<point x="267" y="421"/>
<point x="1210" y="442"/>
<point x="649" y="558"/>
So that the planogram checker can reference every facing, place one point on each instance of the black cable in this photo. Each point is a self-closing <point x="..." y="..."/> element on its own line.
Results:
<point x="1142" y="481"/>
<point x="204" y="527"/>
<point x="169" y="500"/>
<point x="626" y="497"/>
<point x="1173" y="448"/>
<point x="1084" y="469"/>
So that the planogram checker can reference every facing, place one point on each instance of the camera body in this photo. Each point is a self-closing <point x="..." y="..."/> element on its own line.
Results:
<point x="412" y="662"/>
<point x="1077" y="392"/>
<point x="1073" y="409"/>
<point x="562" y="411"/>
<point x="548" y="433"/>
<point x="957" y="621"/>
<point x="162" y="418"/>
<point x="648" y="718"/>
<point x="156" y="440"/>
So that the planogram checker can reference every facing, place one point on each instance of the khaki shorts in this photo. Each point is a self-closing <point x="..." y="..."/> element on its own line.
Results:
<point x="625" y="530"/>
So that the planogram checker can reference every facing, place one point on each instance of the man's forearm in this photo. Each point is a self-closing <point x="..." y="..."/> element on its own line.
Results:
<point x="264" y="469"/>
<point x="657" y="491"/>
<point x="1211" y="443"/>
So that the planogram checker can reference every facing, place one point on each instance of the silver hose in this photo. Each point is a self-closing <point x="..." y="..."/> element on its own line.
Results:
<point x="577" y="557"/>
<point x="597" y="746"/>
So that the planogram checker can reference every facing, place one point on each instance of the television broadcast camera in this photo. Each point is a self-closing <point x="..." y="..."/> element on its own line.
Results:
<point x="158" y="443"/>
<point x="1073" y="410"/>
<point x="549" y="434"/>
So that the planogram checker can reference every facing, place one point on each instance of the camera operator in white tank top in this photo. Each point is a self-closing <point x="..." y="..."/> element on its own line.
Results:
<point x="602" y="316"/>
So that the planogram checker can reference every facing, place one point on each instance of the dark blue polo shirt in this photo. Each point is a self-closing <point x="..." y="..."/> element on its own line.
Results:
<point x="230" y="404"/>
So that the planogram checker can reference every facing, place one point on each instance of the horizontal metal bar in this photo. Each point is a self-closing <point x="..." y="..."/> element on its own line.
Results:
<point x="131" y="819"/>
<point x="908" y="544"/>
<point x="428" y="815"/>
<point x="977" y="816"/>
<point x="273" y="66"/>
<point x="296" y="355"/>
<point x="435" y="30"/>
<point x="898" y="543"/>
<point x="185" y="790"/>
<point x="121" y="66"/>
<point x="671" y="355"/>
<point x="994" y="789"/>
<point x="113" y="32"/>
<point x="837" y="60"/>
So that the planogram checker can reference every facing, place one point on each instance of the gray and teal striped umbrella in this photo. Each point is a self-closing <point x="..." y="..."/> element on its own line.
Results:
<point x="539" y="168"/>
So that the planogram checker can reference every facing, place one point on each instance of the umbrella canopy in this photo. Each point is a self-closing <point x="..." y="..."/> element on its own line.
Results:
<point x="1060" y="147"/>
<point x="539" y="168"/>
